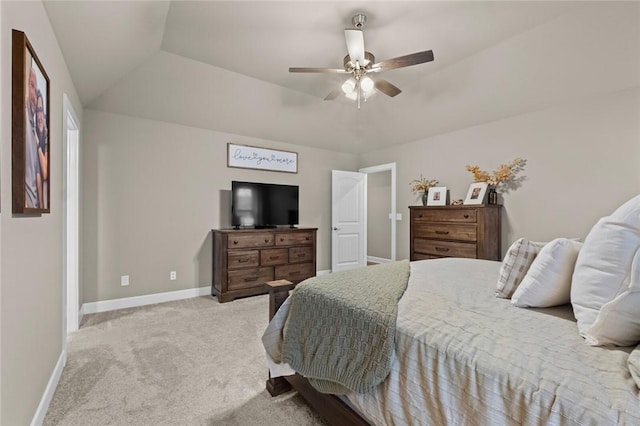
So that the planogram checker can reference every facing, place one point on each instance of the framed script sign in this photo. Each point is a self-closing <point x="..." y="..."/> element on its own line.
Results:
<point x="251" y="157"/>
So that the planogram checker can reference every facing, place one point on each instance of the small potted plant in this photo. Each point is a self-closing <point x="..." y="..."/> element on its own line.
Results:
<point x="421" y="186"/>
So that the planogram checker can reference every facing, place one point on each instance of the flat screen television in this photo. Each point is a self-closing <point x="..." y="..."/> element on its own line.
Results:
<point x="263" y="205"/>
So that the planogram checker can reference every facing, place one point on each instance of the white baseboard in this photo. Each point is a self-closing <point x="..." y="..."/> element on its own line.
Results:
<point x="325" y="272"/>
<point x="47" y="396"/>
<point x="80" y="315"/>
<point x="148" y="299"/>
<point x="377" y="259"/>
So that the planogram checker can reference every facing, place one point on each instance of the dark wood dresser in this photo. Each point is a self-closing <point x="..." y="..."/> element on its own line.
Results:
<point x="245" y="259"/>
<point x="455" y="231"/>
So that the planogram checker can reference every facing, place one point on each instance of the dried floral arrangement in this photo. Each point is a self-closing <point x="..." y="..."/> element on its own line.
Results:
<point x="504" y="177"/>
<point x="422" y="184"/>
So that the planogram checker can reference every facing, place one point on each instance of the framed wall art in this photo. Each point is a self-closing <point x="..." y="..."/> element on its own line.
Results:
<point x="437" y="196"/>
<point x="476" y="193"/>
<point x="252" y="157"/>
<point x="29" y="129"/>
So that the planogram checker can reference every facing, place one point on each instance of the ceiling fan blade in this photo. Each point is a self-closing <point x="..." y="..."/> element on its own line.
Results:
<point x="320" y="70"/>
<point x="404" y="61"/>
<point x="333" y="94"/>
<point x="355" y="45"/>
<point x="387" y="88"/>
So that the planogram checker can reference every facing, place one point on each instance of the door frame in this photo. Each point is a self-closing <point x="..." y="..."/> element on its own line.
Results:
<point x="70" y="219"/>
<point x="394" y="216"/>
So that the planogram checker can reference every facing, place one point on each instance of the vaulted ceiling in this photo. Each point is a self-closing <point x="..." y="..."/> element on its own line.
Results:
<point x="223" y="65"/>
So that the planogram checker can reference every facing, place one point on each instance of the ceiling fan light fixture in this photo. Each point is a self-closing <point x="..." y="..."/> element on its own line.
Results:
<point x="366" y="84"/>
<point x="353" y="95"/>
<point x="349" y="86"/>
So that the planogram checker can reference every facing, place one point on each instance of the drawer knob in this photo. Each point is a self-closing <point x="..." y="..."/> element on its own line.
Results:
<point x="419" y="215"/>
<point x="466" y="216"/>
<point x="281" y="239"/>
<point x="243" y="260"/>
<point x="266" y="240"/>
<point x="442" y="249"/>
<point x="235" y="241"/>
<point x="248" y="280"/>
<point x="442" y="232"/>
<point x="301" y="255"/>
<point x="307" y="238"/>
<point x="273" y="257"/>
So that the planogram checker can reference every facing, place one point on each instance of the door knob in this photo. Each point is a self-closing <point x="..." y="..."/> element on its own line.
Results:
<point x="336" y="229"/>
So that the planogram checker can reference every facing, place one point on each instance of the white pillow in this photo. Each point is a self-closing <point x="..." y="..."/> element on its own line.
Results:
<point x="633" y="362"/>
<point x="548" y="281"/>
<point x="515" y="265"/>
<point x="605" y="291"/>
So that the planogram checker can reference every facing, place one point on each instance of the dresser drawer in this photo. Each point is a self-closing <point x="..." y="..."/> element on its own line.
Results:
<point x="242" y="259"/>
<point x="274" y="257"/>
<point x="295" y="273"/>
<point x="444" y="248"/>
<point x="244" y="278"/>
<point x="250" y="240"/>
<point x="438" y="231"/>
<point x="445" y="215"/>
<point x="300" y="254"/>
<point x="294" y="238"/>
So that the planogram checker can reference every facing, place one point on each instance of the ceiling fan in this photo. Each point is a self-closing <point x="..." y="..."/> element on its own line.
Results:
<point x="362" y="67"/>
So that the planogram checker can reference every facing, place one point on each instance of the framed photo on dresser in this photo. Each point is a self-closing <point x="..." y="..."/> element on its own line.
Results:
<point x="437" y="196"/>
<point x="476" y="193"/>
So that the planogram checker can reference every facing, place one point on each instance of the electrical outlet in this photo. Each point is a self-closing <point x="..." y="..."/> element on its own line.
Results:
<point x="173" y="275"/>
<point x="124" y="280"/>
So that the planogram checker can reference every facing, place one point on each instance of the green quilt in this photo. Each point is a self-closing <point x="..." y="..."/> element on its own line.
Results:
<point x="340" y="333"/>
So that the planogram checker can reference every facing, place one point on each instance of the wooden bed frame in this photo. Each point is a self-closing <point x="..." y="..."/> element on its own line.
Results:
<point x="330" y="407"/>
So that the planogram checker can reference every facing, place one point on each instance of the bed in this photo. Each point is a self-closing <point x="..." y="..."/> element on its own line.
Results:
<point x="464" y="356"/>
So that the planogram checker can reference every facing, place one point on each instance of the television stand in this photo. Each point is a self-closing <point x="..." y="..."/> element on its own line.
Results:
<point x="245" y="259"/>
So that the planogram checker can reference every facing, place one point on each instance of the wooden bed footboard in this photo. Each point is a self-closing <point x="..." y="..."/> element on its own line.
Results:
<point x="333" y="409"/>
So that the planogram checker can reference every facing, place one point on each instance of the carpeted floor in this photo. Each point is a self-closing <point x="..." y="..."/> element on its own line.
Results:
<point x="189" y="362"/>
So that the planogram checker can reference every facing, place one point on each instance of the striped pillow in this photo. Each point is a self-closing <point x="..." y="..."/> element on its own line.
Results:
<point x="633" y="362"/>
<point x="515" y="265"/>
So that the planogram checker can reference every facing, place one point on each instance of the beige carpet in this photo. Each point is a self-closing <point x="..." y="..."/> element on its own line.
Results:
<point x="189" y="362"/>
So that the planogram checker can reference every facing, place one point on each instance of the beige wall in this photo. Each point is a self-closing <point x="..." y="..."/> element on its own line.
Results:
<point x="582" y="163"/>
<point x="378" y="209"/>
<point x="153" y="191"/>
<point x="31" y="247"/>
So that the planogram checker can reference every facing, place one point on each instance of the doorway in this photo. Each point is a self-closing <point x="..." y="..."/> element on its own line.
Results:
<point x="381" y="212"/>
<point x="70" y="207"/>
<point x="350" y="216"/>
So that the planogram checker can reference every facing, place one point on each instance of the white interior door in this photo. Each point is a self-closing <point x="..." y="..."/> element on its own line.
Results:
<point x="348" y="220"/>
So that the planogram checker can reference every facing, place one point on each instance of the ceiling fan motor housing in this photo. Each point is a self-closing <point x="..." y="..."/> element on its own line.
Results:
<point x="368" y="57"/>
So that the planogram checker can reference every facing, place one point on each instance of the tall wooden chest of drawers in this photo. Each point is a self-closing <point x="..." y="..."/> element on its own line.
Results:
<point x="245" y="259"/>
<point x="455" y="231"/>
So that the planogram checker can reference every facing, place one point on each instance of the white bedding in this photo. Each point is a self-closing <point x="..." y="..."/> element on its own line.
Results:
<point x="466" y="357"/>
